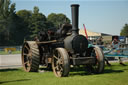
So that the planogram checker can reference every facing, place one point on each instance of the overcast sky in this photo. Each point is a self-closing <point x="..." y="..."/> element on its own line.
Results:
<point x="106" y="16"/>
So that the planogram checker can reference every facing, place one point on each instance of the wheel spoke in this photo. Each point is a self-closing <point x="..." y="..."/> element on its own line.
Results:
<point x="59" y="56"/>
<point x="26" y="47"/>
<point x="27" y="63"/>
<point x="56" y="68"/>
<point x="55" y="57"/>
<point x="61" y="69"/>
<point x="25" y="54"/>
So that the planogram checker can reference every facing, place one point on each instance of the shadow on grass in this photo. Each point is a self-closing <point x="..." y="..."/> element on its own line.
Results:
<point x="5" y="70"/>
<point x="83" y="71"/>
<point x="79" y="71"/>
<point x="15" y="81"/>
<point x="112" y="71"/>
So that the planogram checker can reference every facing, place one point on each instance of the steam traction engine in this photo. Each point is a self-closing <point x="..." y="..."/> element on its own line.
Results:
<point x="62" y="48"/>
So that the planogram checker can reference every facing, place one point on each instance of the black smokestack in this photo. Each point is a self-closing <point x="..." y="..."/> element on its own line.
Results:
<point x="75" y="15"/>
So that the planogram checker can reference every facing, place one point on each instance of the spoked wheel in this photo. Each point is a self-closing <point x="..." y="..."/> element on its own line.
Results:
<point x="60" y="62"/>
<point x="30" y="56"/>
<point x="98" y="67"/>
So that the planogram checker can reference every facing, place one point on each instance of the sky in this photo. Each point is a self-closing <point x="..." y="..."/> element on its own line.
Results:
<point x="104" y="16"/>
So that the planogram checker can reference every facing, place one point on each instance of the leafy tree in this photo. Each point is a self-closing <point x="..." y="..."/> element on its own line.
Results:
<point x="57" y="19"/>
<point x="124" y="31"/>
<point x="23" y="23"/>
<point x="36" y="10"/>
<point x="37" y="22"/>
<point x="24" y="14"/>
<point x="7" y="18"/>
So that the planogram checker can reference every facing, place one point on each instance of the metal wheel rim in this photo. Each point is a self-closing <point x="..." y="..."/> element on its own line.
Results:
<point x="96" y="65"/>
<point x="61" y="62"/>
<point x="99" y="65"/>
<point x="26" y="57"/>
<point x="58" y="64"/>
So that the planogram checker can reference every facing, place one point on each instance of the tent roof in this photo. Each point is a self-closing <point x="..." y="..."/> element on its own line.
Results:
<point x="89" y="33"/>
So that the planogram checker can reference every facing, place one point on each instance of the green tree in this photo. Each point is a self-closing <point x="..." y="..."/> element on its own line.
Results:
<point x="23" y="23"/>
<point x="37" y="22"/>
<point x="7" y="20"/>
<point x="58" y="19"/>
<point x="124" y="31"/>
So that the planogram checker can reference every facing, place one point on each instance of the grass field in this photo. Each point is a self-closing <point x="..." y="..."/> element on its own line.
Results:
<point x="114" y="75"/>
<point x="13" y="52"/>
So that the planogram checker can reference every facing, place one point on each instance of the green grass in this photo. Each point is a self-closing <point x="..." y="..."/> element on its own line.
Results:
<point x="113" y="75"/>
<point x="6" y="53"/>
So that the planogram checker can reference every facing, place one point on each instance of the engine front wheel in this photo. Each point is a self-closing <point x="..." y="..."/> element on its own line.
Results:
<point x="98" y="67"/>
<point x="60" y="62"/>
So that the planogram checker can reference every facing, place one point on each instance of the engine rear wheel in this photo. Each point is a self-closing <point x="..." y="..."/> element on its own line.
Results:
<point x="30" y="56"/>
<point x="98" y="67"/>
<point x="60" y="62"/>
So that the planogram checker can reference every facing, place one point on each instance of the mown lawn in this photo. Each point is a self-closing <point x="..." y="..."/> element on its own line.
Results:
<point x="113" y="75"/>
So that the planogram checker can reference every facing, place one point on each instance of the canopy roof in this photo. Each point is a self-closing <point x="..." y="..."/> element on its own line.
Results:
<point x="89" y="33"/>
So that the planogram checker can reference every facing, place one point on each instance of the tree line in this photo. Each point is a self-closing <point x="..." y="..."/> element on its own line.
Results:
<point x="124" y="30"/>
<point x="15" y="26"/>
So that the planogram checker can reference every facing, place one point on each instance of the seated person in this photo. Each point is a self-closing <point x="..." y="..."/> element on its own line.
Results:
<point x="115" y="45"/>
<point x="99" y="41"/>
